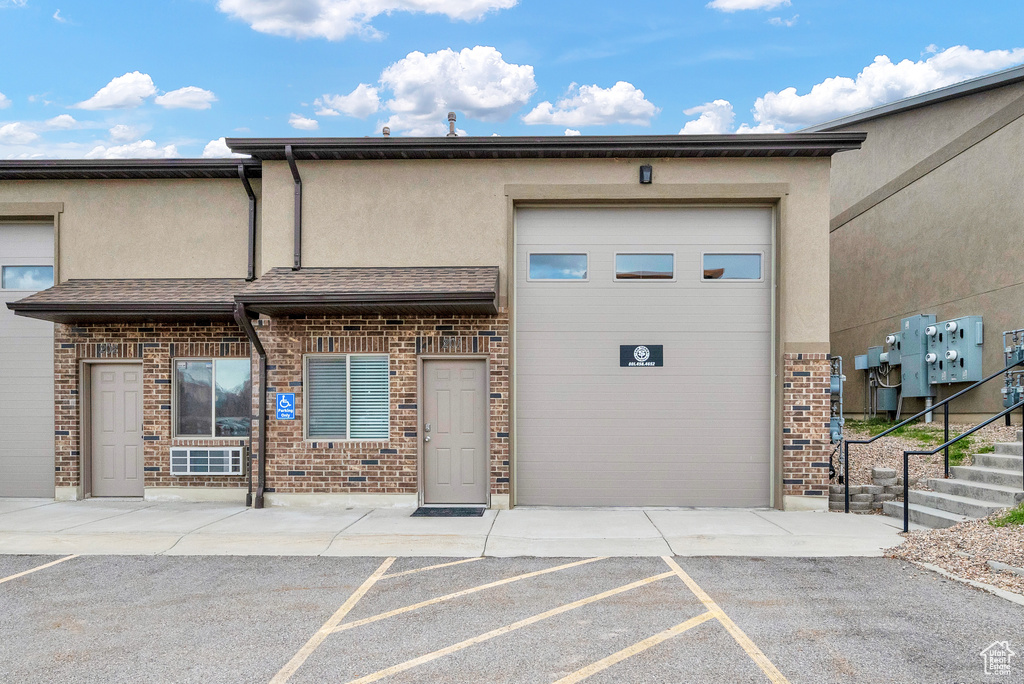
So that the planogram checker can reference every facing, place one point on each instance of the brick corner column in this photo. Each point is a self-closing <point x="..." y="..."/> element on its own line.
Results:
<point x="805" y="425"/>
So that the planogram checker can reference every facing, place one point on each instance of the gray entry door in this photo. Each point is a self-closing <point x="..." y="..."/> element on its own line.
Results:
<point x="692" y="432"/>
<point x="117" y="461"/>
<point x="454" y="432"/>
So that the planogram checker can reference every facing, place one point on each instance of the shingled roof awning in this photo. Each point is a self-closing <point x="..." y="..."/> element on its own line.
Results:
<point x="440" y="290"/>
<point x="133" y="299"/>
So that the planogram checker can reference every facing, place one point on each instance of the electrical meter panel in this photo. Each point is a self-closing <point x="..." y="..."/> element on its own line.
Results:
<point x="955" y="350"/>
<point x="913" y="349"/>
<point x="874" y="357"/>
<point x="894" y="354"/>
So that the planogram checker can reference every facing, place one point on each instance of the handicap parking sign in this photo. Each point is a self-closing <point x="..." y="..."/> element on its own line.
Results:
<point x="286" y="406"/>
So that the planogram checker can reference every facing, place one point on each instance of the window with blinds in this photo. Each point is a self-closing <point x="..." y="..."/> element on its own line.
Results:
<point x="347" y="397"/>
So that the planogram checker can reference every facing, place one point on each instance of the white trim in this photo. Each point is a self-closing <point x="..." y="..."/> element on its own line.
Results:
<point x="733" y="281"/>
<point x="348" y="398"/>
<point x="615" y="268"/>
<point x="558" y="280"/>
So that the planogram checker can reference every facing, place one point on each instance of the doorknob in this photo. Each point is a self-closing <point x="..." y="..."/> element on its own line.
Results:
<point x="427" y="438"/>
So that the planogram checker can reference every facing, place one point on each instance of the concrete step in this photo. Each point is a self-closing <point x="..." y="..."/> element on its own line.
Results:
<point x="951" y="503"/>
<point x="923" y="515"/>
<point x="1010" y="448"/>
<point x="1002" y="461"/>
<point x="996" y="476"/>
<point x="1005" y="496"/>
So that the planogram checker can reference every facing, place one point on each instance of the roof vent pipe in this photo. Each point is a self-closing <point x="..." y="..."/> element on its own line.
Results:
<point x="451" y="125"/>
<point x="387" y="131"/>
<point x="290" y="156"/>
<point x="251" y="271"/>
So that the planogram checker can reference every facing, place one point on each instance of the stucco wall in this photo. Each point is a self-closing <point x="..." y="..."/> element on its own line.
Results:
<point x="947" y="244"/>
<point x="145" y="228"/>
<point x="457" y="212"/>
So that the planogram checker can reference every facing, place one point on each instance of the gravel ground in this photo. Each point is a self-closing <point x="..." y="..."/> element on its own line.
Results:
<point x="887" y="452"/>
<point x="964" y="550"/>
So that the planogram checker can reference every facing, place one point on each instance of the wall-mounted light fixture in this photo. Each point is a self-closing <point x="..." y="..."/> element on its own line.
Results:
<point x="646" y="174"/>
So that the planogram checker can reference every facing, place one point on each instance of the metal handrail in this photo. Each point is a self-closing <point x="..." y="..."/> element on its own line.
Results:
<point x="945" y="445"/>
<point x="944" y="403"/>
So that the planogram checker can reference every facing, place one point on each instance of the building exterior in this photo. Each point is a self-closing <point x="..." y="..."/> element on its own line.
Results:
<point x="498" y="321"/>
<point x="925" y="218"/>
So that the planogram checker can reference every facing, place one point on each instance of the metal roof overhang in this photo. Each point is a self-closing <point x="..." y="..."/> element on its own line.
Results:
<point x="552" y="147"/>
<point x="357" y="303"/>
<point x="126" y="169"/>
<point x="123" y="312"/>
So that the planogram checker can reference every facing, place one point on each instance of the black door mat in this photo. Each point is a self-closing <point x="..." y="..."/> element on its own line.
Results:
<point x="451" y="512"/>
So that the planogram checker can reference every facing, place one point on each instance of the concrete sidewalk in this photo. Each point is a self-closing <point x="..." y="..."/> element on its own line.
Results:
<point x="130" y="527"/>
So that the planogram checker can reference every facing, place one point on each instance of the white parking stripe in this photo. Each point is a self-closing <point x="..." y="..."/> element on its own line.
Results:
<point x="41" y="567"/>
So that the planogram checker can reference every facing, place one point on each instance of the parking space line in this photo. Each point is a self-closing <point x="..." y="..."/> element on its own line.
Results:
<point x="638" y="647"/>
<point x="759" y="658"/>
<point x="432" y="567"/>
<point x="457" y="594"/>
<point x="41" y="567"/>
<point x="299" y="658"/>
<point x="415" y="662"/>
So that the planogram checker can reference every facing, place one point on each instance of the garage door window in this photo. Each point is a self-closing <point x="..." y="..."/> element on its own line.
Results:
<point x="732" y="267"/>
<point x="347" y="397"/>
<point x="644" y="266"/>
<point x="212" y="398"/>
<point x="558" y="267"/>
<point x="33" y="278"/>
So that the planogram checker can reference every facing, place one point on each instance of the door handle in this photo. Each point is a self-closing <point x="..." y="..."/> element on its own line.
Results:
<point x="427" y="438"/>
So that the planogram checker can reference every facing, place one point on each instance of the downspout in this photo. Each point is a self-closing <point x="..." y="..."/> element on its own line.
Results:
<point x="297" y="264"/>
<point x="251" y="273"/>
<point x="242" y="318"/>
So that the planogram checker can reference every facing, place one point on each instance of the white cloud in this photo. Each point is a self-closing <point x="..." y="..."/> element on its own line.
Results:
<point x="17" y="133"/>
<point x="189" y="97"/>
<point x="880" y="82"/>
<point x="717" y="118"/>
<point x="594" y="106"/>
<point x="218" y="148"/>
<point x="779" y="21"/>
<point x="57" y="17"/>
<point x="4" y="101"/>
<point x="360" y="103"/>
<point x="302" y="123"/>
<point x="122" y="133"/>
<point x="738" y="5"/>
<point x="64" y="122"/>
<point x="572" y="131"/>
<point x="338" y="19"/>
<point x="123" y="92"/>
<point x="477" y="82"/>
<point x="13" y="3"/>
<point x="140" y="149"/>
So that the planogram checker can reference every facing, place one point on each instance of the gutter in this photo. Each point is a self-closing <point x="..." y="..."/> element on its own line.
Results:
<point x="242" y="318"/>
<point x="297" y="264"/>
<point x="251" y="273"/>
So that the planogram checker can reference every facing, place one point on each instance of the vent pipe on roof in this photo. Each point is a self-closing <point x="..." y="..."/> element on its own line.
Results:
<point x="290" y="156"/>
<point x="251" y="272"/>
<point x="451" y="126"/>
<point x="387" y="131"/>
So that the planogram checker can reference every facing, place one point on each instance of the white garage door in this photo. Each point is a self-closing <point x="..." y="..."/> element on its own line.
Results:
<point x="26" y="365"/>
<point x="598" y="422"/>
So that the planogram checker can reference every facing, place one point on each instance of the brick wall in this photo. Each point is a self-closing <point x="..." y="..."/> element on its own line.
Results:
<point x="805" y="424"/>
<point x="155" y="344"/>
<point x="295" y="465"/>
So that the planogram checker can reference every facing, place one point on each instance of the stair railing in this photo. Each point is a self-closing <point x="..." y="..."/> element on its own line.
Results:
<point x="945" y="445"/>
<point x="945" y="410"/>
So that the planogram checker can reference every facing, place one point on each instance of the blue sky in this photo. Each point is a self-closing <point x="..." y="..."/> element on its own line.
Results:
<point x="160" y="78"/>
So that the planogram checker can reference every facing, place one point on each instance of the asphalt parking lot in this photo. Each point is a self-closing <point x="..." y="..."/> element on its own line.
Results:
<point x="311" y="619"/>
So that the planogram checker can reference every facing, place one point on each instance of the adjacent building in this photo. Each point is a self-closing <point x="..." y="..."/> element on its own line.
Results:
<point x="580" y="321"/>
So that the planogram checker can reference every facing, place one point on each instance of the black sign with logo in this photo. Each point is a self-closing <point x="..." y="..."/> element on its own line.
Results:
<point x="641" y="355"/>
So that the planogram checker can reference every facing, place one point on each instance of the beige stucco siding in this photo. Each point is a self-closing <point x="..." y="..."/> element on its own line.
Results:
<point x="897" y="142"/>
<point x="421" y="213"/>
<point x="145" y="228"/>
<point x="947" y="244"/>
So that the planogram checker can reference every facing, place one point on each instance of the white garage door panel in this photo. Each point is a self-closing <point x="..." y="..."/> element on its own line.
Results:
<point x="694" y="432"/>
<point x="26" y="374"/>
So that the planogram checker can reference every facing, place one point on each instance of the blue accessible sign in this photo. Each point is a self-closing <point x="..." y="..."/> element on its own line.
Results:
<point x="286" y="406"/>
